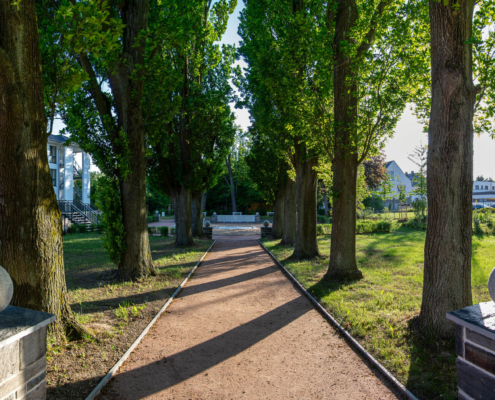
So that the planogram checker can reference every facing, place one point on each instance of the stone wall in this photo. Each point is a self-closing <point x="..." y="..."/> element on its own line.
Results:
<point x="23" y="354"/>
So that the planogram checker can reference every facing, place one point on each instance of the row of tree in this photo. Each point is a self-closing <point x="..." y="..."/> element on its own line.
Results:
<point x="327" y="82"/>
<point x="144" y="88"/>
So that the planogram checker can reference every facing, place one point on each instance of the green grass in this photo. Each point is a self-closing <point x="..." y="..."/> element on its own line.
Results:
<point x="377" y="309"/>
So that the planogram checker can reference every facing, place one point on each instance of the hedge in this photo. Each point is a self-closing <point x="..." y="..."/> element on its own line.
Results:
<point x="373" y="226"/>
<point x="164" y="231"/>
<point x="152" y="218"/>
<point x="323" y="229"/>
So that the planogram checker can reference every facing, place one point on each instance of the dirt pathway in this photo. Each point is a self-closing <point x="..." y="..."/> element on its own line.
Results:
<point x="240" y="330"/>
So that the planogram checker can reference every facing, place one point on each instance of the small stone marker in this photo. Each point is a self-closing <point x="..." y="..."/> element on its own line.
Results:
<point x="6" y="289"/>
<point x="208" y="230"/>
<point x="475" y="347"/>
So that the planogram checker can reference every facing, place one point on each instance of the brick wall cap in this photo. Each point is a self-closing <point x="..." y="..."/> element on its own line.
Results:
<point x="479" y="318"/>
<point x="16" y="323"/>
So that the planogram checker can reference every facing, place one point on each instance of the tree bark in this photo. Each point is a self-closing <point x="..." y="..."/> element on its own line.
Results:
<point x="231" y="184"/>
<point x="343" y="263"/>
<point x="278" y="217"/>
<point x="182" y="199"/>
<point x="306" y="246"/>
<point x="289" y="232"/>
<point x="31" y="245"/>
<point x="447" y="268"/>
<point x="197" y="214"/>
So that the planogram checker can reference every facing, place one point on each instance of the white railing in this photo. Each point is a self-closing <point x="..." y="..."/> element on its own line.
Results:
<point x="236" y="218"/>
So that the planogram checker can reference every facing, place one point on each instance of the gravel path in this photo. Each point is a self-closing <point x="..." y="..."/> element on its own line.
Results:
<point x="240" y="330"/>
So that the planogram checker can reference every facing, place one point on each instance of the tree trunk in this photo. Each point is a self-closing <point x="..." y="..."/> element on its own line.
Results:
<point x="197" y="214"/>
<point x="182" y="200"/>
<point x="278" y="217"/>
<point x="289" y="232"/>
<point x="231" y="184"/>
<point x="306" y="246"/>
<point x="343" y="263"/>
<point x="30" y="219"/>
<point x="325" y="199"/>
<point x="447" y="268"/>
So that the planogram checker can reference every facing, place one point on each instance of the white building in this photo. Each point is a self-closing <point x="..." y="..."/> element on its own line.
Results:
<point x="71" y="181"/>
<point x="483" y="191"/>
<point x="65" y="170"/>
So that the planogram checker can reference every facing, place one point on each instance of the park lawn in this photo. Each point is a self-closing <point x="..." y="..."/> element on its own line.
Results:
<point x="115" y="312"/>
<point x="377" y="310"/>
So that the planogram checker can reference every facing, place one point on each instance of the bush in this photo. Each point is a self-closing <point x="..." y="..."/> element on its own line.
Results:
<point x="172" y="231"/>
<point x="100" y="227"/>
<point x="92" y="227"/>
<point x="323" y="220"/>
<point x="323" y="229"/>
<point x="151" y="230"/>
<point x="418" y="224"/>
<point x="164" y="231"/>
<point x="79" y="228"/>
<point x="152" y="218"/>
<point x="373" y="226"/>
<point x="387" y="216"/>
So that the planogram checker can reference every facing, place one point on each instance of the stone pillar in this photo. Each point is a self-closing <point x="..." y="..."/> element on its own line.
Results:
<point x="257" y="217"/>
<point x="208" y="231"/>
<point x="23" y="353"/>
<point x="68" y="174"/>
<point x="214" y="218"/>
<point x="475" y="348"/>
<point x="266" y="231"/>
<point x="86" y="178"/>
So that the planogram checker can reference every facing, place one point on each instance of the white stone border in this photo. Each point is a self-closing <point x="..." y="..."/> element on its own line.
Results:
<point x="346" y="334"/>
<point x="119" y="363"/>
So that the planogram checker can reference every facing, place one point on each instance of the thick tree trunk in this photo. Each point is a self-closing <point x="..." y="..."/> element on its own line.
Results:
<point x="447" y="268"/>
<point x="182" y="200"/>
<point x="343" y="263"/>
<point x="278" y="218"/>
<point x="306" y="246"/>
<point x="30" y="220"/>
<point x="197" y="214"/>
<point x="289" y="232"/>
<point x="136" y="261"/>
<point x="231" y="184"/>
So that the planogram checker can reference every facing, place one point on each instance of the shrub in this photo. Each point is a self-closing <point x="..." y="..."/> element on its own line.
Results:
<point x="79" y="228"/>
<point x="321" y="219"/>
<point x="100" y="227"/>
<point x="152" y="218"/>
<point x="172" y="231"/>
<point x="373" y="226"/>
<point x="164" y="231"/>
<point x="323" y="229"/>
<point x="151" y="230"/>
<point x="92" y="228"/>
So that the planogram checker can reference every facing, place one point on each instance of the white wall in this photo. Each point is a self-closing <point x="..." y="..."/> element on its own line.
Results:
<point x="482" y="185"/>
<point x="395" y="173"/>
<point x="69" y="174"/>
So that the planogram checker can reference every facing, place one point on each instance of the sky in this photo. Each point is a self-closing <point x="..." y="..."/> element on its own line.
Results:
<point x="408" y="133"/>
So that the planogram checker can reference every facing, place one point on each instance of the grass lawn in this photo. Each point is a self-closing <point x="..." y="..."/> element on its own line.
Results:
<point x="377" y="309"/>
<point x="116" y="312"/>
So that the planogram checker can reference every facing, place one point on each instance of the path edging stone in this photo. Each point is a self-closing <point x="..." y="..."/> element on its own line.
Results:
<point x="126" y="355"/>
<point x="372" y="360"/>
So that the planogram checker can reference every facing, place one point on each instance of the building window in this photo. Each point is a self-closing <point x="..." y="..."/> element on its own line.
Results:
<point x="477" y="187"/>
<point x="391" y="173"/>
<point x="52" y="155"/>
<point x="486" y="187"/>
<point x="53" y="173"/>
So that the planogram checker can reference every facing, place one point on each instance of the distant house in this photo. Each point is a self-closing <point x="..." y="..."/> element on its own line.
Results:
<point x="400" y="181"/>
<point x="71" y="180"/>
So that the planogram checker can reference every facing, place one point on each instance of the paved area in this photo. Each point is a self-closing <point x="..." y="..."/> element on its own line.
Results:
<point x="240" y="330"/>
